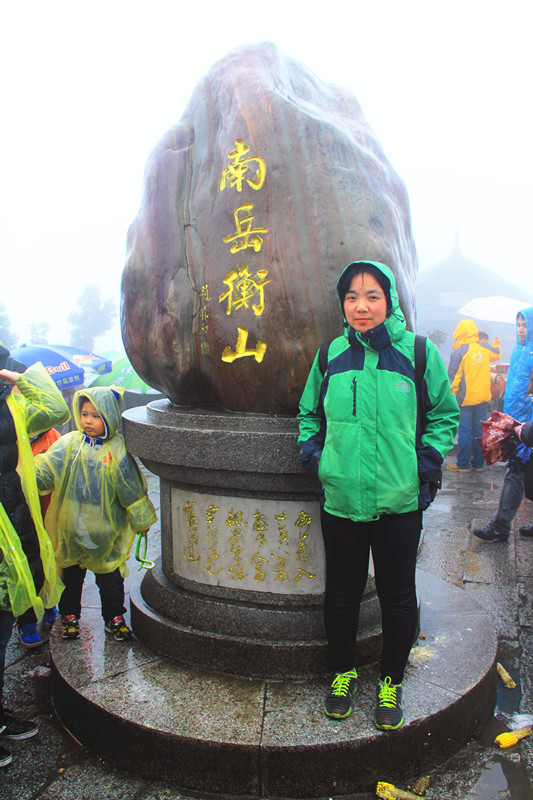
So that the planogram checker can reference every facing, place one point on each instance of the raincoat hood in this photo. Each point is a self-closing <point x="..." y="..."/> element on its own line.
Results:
<point x="465" y="333"/>
<point x="527" y="313"/>
<point x="395" y="320"/>
<point x="516" y="402"/>
<point x="108" y="403"/>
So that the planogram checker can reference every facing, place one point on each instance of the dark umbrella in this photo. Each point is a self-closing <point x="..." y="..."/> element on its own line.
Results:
<point x="83" y="358"/>
<point x="64" y="372"/>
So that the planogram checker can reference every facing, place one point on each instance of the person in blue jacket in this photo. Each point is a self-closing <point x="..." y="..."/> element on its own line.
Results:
<point x="518" y="403"/>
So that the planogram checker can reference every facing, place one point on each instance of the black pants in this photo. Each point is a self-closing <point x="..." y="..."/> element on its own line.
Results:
<point x="393" y="540"/>
<point x="110" y="584"/>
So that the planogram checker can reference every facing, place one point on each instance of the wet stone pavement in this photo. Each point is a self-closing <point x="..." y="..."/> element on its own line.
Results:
<point x="499" y="576"/>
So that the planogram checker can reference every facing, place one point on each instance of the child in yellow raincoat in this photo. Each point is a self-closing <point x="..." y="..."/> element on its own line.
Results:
<point x="99" y="503"/>
<point x="28" y="578"/>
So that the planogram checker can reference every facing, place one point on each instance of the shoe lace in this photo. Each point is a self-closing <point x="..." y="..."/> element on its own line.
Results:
<point x="341" y="683"/>
<point x="387" y="694"/>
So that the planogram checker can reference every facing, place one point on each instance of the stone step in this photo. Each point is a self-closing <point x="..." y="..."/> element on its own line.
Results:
<point x="212" y="732"/>
<point x="258" y="641"/>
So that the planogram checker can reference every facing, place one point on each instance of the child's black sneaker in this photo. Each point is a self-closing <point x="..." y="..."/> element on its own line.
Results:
<point x="70" y="627"/>
<point x="16" y="729"/>
<point x="119" y="630"/>
<point x="389" y="714"/>
<point x="339" y="701"/>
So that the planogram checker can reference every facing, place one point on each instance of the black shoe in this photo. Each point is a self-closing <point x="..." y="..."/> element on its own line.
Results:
<point x="70" y="627"/>
<point x="16" y="729"/>
<point x="5" y="757"/>
<point x="526" y="531"/>
<point x="388" y="715"/>
<point x="339" y="701"/>
<point x="119" y="630"/>
<point x="489" y="534"/>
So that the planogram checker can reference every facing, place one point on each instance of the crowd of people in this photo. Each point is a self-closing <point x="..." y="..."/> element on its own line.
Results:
<point x="98" y="502"/>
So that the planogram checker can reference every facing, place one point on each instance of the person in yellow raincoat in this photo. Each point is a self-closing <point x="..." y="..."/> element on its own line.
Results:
<point x="28" y="578"/>
<point x="99" y="502"/>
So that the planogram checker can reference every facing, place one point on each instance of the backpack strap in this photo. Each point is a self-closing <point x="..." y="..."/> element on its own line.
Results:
<point x="420" y="363"/>
<point x="323" y="356"/>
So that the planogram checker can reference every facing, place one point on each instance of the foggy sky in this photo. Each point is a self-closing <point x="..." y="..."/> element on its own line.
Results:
<point x="89" y="88"/>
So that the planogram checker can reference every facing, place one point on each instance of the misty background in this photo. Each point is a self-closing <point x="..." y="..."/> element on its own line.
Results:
<point x="89" y="88"/>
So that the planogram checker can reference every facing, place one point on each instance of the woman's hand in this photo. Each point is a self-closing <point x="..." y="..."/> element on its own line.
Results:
<point x="7" y="376"/>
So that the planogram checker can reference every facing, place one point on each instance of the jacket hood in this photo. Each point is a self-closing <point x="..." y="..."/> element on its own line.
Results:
<point x="395" y="320"/>
<point x="465" y="333"/>
<point x="108" y="403"/>
<point x="527" y="313"/>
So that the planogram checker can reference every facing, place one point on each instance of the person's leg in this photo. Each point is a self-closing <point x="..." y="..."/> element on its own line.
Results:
<point x="6" y="627"/>
<point x="10" y="726"/>
<point x="479" y="413"/>
<point x="347" y="548"/>
<point x="70" y="601"/>
<point x="464" y="438"/>
<point x="394" y="550"/>
<point x="510" y="499"/>
<point x="111" y="586"/>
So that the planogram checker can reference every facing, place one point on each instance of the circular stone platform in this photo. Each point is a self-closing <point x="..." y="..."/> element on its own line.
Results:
<point x="213" y="732"/>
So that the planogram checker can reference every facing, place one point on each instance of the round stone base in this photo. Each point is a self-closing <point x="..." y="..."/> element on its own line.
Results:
<point x="204" y="731"/>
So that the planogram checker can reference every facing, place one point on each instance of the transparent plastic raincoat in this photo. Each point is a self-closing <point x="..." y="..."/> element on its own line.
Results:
<point x="99" y="498"/>
<point x="35" y="407"/>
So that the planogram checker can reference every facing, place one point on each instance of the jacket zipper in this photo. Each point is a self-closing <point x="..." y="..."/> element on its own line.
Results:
<point x="354" y="390"/>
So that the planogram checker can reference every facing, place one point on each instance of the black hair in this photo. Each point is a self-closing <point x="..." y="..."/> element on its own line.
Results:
<point x="482" y="335"/>
<point x="358" y="269"/>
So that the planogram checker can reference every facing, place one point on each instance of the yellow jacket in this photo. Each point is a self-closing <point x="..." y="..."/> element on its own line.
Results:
<point x="36" y="407"/>
<point x="469" y="367"/>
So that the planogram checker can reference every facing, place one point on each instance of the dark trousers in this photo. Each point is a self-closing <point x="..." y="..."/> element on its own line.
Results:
<point x="110" y="584"/>
<point x="393" y="540"/>
<point x="6" y="626"/>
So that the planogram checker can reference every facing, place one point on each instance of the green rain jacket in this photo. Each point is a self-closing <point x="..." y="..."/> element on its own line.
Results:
<point x="359" y="425"/>
<point x="99" y="498"/>
<point x="37" y="406"/>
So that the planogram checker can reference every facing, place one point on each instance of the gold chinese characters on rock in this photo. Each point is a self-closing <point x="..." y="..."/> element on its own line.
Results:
<point x="261" y="548"/>
<point x="245" y="284"/>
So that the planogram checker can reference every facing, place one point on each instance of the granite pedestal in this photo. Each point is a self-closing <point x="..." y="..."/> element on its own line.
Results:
<point x="239" y="587"/>
<point x="210" y="732"/>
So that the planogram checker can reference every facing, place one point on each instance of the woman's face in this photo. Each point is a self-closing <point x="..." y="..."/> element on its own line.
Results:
<point x="365" y="304"/>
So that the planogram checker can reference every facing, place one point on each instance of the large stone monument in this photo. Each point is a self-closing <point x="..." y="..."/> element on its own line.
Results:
<point x="253" y="204"/>
<point x="271" y="183"/>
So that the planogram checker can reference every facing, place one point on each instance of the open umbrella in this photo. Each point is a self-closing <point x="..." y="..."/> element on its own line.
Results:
<point x="64" y="372"/>
<point x="123" y="374"/>
<point x="83" y="358"/>
<point x="493" y="309"/>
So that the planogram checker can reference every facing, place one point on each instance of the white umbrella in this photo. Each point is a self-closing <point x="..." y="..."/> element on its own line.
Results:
<point x="494" y="309"/>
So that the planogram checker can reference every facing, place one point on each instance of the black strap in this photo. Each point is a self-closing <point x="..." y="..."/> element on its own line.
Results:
<point x="420" y="364"/>
<point x="323" y="356"/>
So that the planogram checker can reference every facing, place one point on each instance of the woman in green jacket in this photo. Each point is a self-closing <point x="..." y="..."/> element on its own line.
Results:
<point x="376" y="447"/>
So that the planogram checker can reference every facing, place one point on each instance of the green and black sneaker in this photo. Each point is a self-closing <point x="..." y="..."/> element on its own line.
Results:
<point x="339" y="701"/>
<point x="389" y="714"/>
